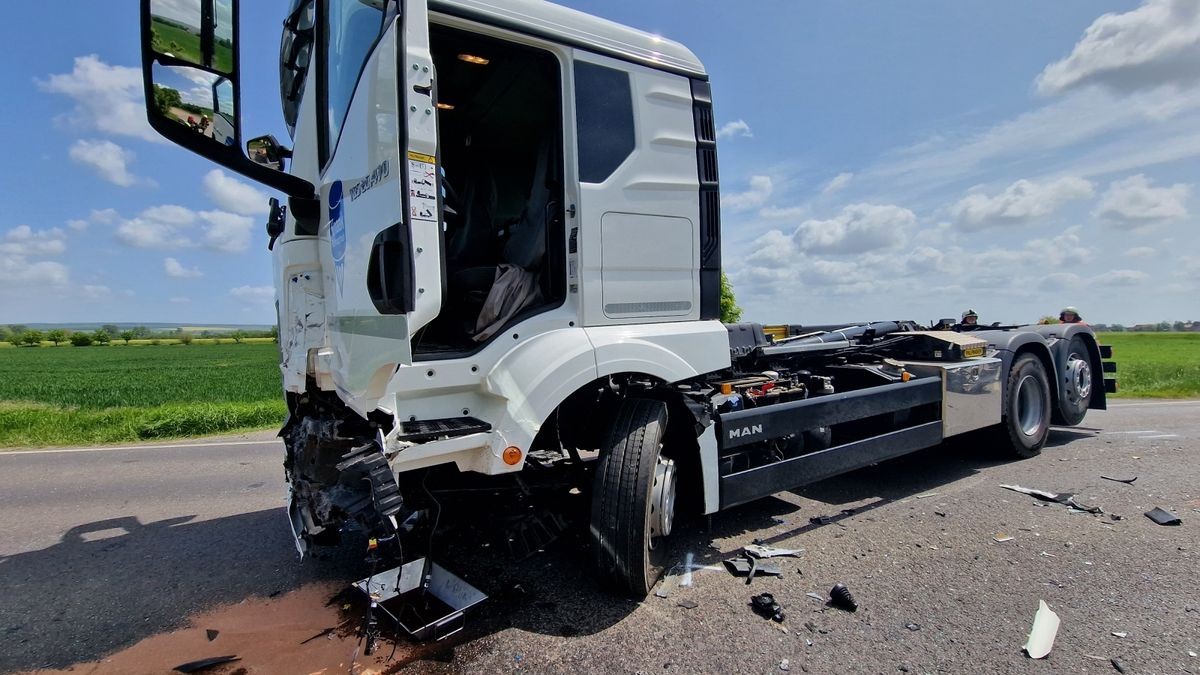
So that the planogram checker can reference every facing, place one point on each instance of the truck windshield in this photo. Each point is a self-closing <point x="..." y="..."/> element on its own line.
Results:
<point x="352" y="28"/>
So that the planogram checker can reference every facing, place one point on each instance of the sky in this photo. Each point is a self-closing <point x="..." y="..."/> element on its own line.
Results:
<point x="879" y="160"/>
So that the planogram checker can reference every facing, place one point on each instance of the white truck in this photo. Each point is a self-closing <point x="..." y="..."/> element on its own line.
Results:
<point x="501" y="252"/>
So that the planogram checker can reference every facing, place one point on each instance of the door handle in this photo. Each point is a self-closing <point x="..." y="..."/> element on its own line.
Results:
<point x="426" y="89"/>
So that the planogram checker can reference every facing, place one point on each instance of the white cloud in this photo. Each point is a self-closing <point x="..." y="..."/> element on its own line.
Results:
<point x="109" y="160"/>
<point x="1158" y="43"/>
<point x="858" y="228"/>
<point x="1019" y="203"/>
<point x="1120" y="278"/>
<point x="176" y="270"/>
<point x="1133" y="202"/>
<point x="760" y="189"/>
<point x="180" y="300"/>
<point x="107" y="98"/>
<point x="171" y="214"/>
<point x="77" y="225"/>
<point x="24" y="242"/>
<point x="233" y="195"/>
<point x="734" y="129"/>
<point x="837" y="183"/>
<point x="1141" y="252"/>
<point x="96" y="292"/>
<point x="143" y="232"/>
<point x="226" y="232"/>
<point x="1059" y="281"/>
<point x="104" y="216"/>
<point x="254" y="294"/>
<point x="16" y="271"/>
<point x="783" y="213"/>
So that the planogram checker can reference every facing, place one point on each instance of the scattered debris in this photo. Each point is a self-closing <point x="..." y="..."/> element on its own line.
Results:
<point x="783" y="665"/>
<point x="1127" y="481"/>
<point x="839" y="596"/>
<point x="940" y="513"/>
<point x="765" y="606"/>
<point x="211" y="634"/>
<point x="1115" y="516"/>
<point x="914" y="627"/>
<point x="1043" y="632"/>
<point x="750" y="568"/>
<point x="1066" y="498"/>
<point x="1116" y="663"/>
<point x="204" y="664"/>
<point x="1002" y="537"/>
<point x="762" y="551"/>
<point x="816" y="596"/>
<point x="322" y="634"/>
<point x="1163" y="517"/>
<point x="1048" y="555"/>
<point x="1192" y="654"/>
<point x="927" y="495"/>
<point x="688" y="604"/>
<point x="668" y="583"/>
<point x="1120" y="634"/>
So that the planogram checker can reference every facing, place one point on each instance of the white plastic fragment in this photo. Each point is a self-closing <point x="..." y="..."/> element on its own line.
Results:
<point x="1041" y="636"/>
<point x="1120" y="634"/>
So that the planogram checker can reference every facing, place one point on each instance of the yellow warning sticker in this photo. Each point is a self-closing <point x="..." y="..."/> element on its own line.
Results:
<point x="421" y="158"/>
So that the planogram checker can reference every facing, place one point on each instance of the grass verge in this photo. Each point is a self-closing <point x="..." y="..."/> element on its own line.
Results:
<point x="1156" y="365"/>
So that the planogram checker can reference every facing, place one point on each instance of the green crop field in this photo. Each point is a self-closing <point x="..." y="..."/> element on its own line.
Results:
<point x="1158" y="365"/>
<point x="72" y="396"/>
<point x="179" y="41"/>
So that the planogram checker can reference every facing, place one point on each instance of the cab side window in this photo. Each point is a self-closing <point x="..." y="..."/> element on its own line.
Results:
<point x="352" y="29"/>
<point x="603" y="120"/>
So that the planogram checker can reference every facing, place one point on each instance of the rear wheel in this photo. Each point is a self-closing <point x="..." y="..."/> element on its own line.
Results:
<point x="1026" y="422"/>
<point x="633" y="498"/>
<point x="1075" y="387"/>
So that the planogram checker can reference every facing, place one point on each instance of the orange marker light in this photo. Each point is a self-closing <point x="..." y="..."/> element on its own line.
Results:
<point x="905" y="376"/>
<point x="512" y="455"/>
<point x="726" y="388"/>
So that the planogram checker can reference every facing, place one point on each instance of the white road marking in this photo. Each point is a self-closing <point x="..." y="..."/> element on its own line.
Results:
<point x="1142" y="438"/>
<point x="55" y="451"/>
<point x="1154" y="404"/>
<point x="1149" y="431"/>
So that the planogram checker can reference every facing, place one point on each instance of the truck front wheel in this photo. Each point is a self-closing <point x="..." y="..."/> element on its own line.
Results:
<point x="1026" y="422"/>
<point x="633" y="498"/>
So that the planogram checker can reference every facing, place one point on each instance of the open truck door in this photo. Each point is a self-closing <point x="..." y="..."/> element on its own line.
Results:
<point x="381" y="226"/>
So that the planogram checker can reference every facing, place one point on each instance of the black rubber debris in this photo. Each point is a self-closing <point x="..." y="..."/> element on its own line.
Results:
<point x="1163" y="517"/>
<point x="1127" y="481"/>
<point x="839" y="596"/>
<point x="212" y="634"/>
<point x="1116" y="663"/>
<point x="204" y="664"/>
<point x="688" y="604"/>
<point x="765" y="606"/>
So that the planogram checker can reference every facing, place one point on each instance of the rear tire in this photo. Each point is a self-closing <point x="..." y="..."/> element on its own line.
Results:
<point x="1026" y="422"/>
<point x="633" y="497"/>
<point x="1075" y="386"/>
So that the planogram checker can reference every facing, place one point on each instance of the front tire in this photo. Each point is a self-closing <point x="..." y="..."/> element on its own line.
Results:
<point x="1026" y="423"/>
<point x="633" y="498"/>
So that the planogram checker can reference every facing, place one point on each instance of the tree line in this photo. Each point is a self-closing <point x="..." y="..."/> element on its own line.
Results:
<point x="20" y="335"/>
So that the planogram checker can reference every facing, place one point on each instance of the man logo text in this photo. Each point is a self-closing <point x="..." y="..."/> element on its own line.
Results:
<point x="745" y="431"/>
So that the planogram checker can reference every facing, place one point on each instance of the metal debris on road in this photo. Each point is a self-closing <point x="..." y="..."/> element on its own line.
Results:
<point x="1163" y="517"/>
<point x="914" y="627"/>
<point x="749" y="567"/>
<point x="1001" y="537"/>
<point x="688" y="604"/>
<point x="840" y="596"/>
<point x="816" y="596"/>
<point x="1116" y="663"/>
<point x="205" y="664"/>
<point x="927" y="495"/>
<point x="1127" y="481"/>
<point x="764" y="605"/>
<point x="764" y="551"/>
<point x="1043" y="632"/>
<point x="783" y="665"/>
<point x="1066" y="498"/>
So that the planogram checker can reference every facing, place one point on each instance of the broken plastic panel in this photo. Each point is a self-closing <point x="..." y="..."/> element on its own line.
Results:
<point x="432" y="610"/>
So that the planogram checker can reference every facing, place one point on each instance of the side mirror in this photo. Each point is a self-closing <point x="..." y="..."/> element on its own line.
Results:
<point x="265" y="150"/>
<point x="190" y="57"/>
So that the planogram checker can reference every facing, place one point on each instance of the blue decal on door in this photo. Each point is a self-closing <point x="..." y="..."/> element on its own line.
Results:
<point x="337" y="232"/>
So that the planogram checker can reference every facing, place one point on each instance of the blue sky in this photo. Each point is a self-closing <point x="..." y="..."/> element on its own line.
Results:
<point x="878" y="160"/>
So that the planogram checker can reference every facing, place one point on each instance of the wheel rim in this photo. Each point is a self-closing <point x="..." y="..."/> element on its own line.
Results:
<point x="662" y="499"/>
<point x="1031" y="405"/>
<point x="1080" y="378"/>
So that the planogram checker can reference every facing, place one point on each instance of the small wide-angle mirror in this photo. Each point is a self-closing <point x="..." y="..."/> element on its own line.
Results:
<point x="197" y="99"/>
<point x="195" y="31"/>
<point x="266" y="150"/>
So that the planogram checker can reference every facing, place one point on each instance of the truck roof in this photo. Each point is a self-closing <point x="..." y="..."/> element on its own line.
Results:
<point x="578" y="29"/>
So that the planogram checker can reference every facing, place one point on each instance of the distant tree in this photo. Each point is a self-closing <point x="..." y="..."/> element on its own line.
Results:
<point x="1179" y="326"/>
<point x="730" y="312"/>
<point x="13" y="338"/>
<point x="110" y="328"/>
<point x="1047" y="320"/>
<point x="101" y="337"/>
<point x="275" y="334"/>
<point x="238" y="336"/>
<point x="206" y="333"/>
<point x="56" y="336"/>
<point x="140" y="332"/>
<point x="81" y="339"/>
<point x="128" y="335"/>
<point x="32" y="338"/>
<point x="185" y="338"/>
<point x="17" y="328"/>
<point x="1164" y="326"/>
<point x="1117" y="328"/>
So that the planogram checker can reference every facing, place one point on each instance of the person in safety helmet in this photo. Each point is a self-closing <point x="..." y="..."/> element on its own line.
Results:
<point x="969" y="318"/>
<point x="1070" y="315"/>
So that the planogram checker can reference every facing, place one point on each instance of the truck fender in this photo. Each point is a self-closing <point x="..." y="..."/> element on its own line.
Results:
<point x="1058" y="339"/>
<point x="1009" y="345"/>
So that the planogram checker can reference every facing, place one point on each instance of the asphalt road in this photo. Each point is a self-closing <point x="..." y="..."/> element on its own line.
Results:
<point x="99" y="549"/>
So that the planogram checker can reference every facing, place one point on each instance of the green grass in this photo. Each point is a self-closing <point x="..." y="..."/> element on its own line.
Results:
<point x="1156" y="365"/>
<point x="70" y="396"/>
<point x="175" y="39"/>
